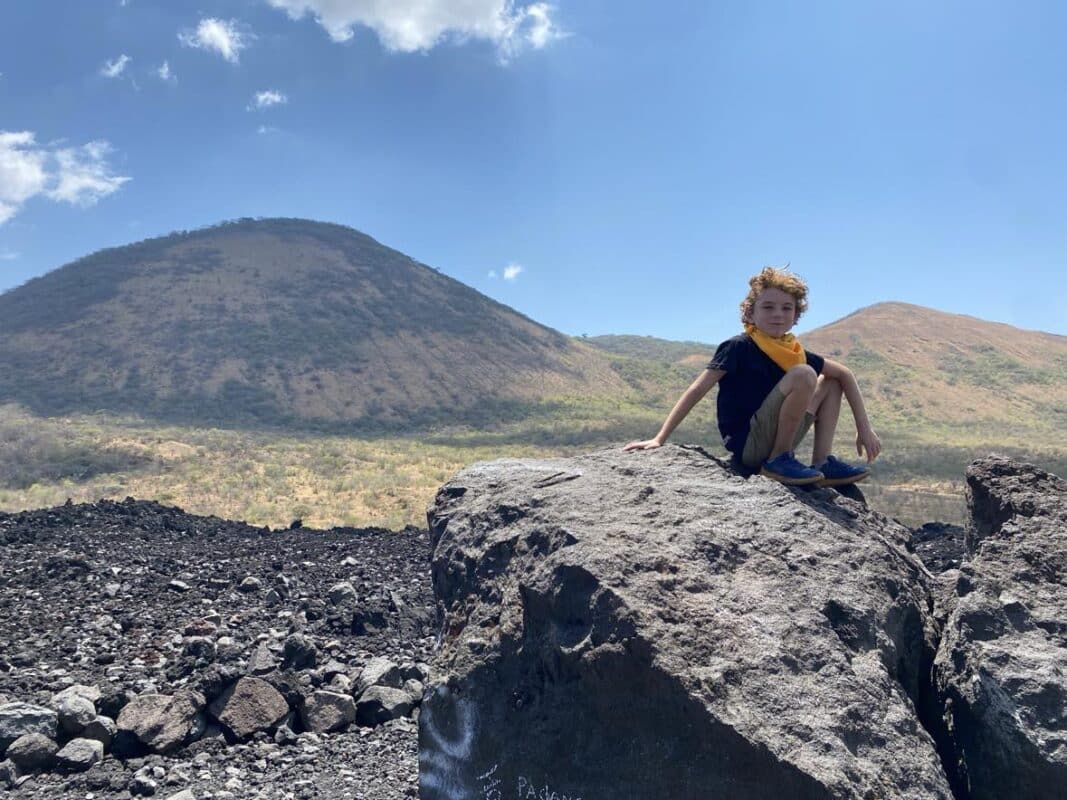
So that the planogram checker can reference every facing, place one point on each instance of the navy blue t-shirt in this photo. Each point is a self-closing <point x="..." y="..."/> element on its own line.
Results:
<point x="750" y="376"/>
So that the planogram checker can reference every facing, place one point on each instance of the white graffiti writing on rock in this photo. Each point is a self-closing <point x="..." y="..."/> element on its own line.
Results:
<point x="528" y="790"/>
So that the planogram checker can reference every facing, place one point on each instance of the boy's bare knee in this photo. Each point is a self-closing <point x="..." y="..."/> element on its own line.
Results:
<point x="802" y="375"/>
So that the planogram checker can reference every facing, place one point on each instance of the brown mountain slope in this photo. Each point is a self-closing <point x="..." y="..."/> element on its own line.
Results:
<point x="281" y="322"/>
<point x="931" y="370"/>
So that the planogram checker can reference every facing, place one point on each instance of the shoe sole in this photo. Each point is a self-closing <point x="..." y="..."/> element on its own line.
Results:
<point x="844" y="481"/>
<point x="787" y="480"/>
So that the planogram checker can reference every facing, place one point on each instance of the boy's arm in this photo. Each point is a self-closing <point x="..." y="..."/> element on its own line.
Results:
<point x="700" y="387"/>
<point x="866" y="438"/>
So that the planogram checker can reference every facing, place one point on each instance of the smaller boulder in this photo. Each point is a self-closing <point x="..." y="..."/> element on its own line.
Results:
<point x="262" y="660"/>
<point x="379" y="704"/>
<point x="249" y="706"/>
<point x="74" y="712"/>
<point x="299" y="652"/>
<point x="415" y="690"/>
<point x="103" y="729"/>
<point x="33" y="752"/>
<point x="324" y="712"/>
<point x="341" y="593"/>
<point x="249" y="585"/>
<point x="159" y="722"/>
<point x="200" y="627"/>
<point x="79" y="755"/>
<point x="379" y="671"/>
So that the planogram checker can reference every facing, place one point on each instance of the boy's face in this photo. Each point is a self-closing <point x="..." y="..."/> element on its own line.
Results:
<point x="774" y="312"/>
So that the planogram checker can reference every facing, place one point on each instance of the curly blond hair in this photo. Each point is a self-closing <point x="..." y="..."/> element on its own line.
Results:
<point x="775" y="278"/>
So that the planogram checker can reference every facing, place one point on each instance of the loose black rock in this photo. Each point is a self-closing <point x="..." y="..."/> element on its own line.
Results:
<point x="140" y="638"/>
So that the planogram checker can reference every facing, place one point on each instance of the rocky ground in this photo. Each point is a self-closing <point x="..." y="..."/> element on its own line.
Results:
<point x="107" y="602"/>
<point x="125" y="599"/>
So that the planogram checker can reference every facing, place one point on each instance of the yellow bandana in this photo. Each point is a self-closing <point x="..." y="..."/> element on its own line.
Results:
<point x="785" y="351"/>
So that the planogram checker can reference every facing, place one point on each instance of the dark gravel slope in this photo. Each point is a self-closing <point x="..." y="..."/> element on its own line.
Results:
<point x="110" y="595"/>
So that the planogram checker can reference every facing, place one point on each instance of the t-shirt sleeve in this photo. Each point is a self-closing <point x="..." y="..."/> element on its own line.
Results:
<point x="815" y="361"/>
<point x="726" y="356"/>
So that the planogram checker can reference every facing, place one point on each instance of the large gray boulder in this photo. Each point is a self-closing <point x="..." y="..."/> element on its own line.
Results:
<point x="158" y="722"/>
<point x="650" y="624"/>
<point x="1002" y="663"/>
<point x="250" y="705"/>
<point x="17" y="719"/>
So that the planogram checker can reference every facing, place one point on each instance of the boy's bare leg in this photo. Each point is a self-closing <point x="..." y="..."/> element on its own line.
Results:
<point x="825" y="406"/>
<point x="798" y="386"/>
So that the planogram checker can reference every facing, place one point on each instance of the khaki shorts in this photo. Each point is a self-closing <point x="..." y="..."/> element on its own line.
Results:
<point x="763" y="427"/>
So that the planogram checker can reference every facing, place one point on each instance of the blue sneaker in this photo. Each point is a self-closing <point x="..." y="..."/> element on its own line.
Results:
<point x="786" y="469"/>
<point x="839" y="473"/>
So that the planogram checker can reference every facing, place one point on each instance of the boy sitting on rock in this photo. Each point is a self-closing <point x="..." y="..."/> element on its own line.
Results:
<point x="772" y="391"/>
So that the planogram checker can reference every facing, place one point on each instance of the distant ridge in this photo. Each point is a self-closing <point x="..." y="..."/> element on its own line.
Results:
<point x="280" y="322"/>
<point x="930" y="374"/>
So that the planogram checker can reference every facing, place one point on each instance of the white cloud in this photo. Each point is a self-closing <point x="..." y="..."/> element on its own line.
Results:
<point x="22" y="171"/>
<point x="511" y="272"/>
<point x="77" y="175"/>
<point x="492" y="273"/>
<point x="541" y="30"/>
<point x="8" y="255"/>
<point x="165" y="73"/>
<point x="263" y="130"/>
<point x="268" y="98"/>
<point x="411" y="25"/>
<point x="219" y="35"/>
<point x="84" y="175"/>
<point x="112" y="69"/>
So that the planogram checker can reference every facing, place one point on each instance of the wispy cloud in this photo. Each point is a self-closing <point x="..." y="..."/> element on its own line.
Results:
<point x="79" y="176"/>
<point x="165" y="73"/>
<point x="266" y="99"/>
<point x="112" y="69"/>
<point x="222" y="36"/>
<point x="412" y="25"/>
<point x="511" y="272"/>
<point x="83" y="175"/>
<point x="8" y="255"/>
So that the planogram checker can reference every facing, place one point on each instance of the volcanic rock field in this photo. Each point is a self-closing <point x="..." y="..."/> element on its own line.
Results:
<point x="258" y="644"/>
<point x="146" y="652"/>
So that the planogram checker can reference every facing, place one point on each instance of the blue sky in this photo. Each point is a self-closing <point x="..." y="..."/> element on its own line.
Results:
<point x="632" y="163"/>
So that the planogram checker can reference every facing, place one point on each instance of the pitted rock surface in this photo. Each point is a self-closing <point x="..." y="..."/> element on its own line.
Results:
<point x="1002" y="663"/>
<point x="250" y="705"/>
<point x="650" y="624"/>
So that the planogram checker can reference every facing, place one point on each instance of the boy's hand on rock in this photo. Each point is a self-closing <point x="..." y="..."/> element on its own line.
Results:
<point x="868" y="441"/>
<point x="647" y="444"/>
